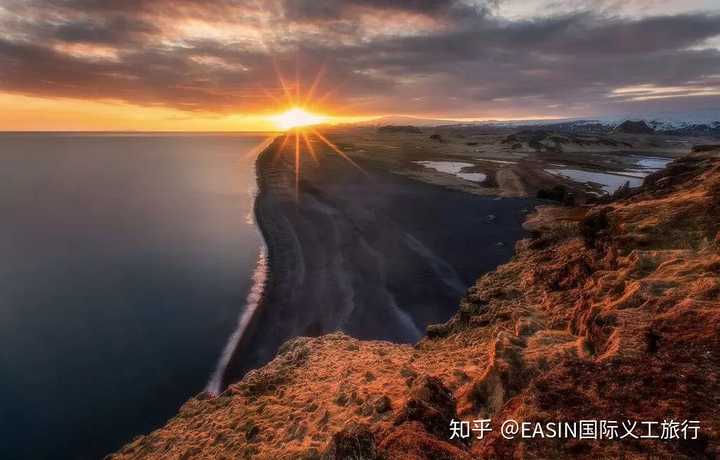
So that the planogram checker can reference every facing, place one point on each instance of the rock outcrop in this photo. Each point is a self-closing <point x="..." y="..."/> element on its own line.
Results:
<point x="608" y="312"/>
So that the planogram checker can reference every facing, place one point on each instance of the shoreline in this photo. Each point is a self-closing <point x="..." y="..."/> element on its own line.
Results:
<point x="219" y="382"/>
<point x="340" y="258"/>
<point x="253" y="301"/>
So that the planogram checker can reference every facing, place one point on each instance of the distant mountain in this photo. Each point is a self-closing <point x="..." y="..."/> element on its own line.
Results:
<point x="687" y="128"/>
<point x="675" y="124"/>
<point x="634" y="127"/>
<point x="401" y="120"/>
<point x="399" y="129"/>
<point x="406" y="120"/>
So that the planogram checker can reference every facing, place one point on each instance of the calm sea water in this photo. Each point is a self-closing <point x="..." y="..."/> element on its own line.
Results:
<point x="125" y="264"/>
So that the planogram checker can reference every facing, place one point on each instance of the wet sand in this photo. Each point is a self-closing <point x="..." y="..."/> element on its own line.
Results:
<point x="371" y="253"/>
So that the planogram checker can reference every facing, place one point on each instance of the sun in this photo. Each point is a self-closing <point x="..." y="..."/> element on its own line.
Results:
<point x="296" y="117"/>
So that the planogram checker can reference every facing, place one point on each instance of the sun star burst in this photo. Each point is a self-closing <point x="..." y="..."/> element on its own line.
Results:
<point x="297" y="117"/>
<point x="300" y="125"/>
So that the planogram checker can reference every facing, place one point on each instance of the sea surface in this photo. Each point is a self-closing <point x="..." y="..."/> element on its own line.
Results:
<point x="127" y="260"/>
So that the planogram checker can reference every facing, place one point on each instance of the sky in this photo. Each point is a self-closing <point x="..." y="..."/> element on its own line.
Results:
<point x="227" y="65"/>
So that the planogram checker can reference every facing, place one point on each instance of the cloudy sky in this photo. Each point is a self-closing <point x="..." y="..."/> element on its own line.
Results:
<point x="227" y="64"/>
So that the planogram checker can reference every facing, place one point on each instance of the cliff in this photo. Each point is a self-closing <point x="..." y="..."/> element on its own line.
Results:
<point x="608" y="312"/>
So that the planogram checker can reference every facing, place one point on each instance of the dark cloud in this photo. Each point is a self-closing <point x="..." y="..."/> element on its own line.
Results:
<point x="336" y="9"/>
<point x="106" y="31"/>
<point x="445" y="57"/>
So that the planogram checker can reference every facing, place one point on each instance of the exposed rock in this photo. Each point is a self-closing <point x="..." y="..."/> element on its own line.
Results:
<point x="431" y="404"/>
<point x="251" y="431"/>
<point x="410" y="442"/>
<point x="382" y="404"/>
<point x="705" y="148"/>
<point x="557" y="193"/>
<point x="354" y="442"/>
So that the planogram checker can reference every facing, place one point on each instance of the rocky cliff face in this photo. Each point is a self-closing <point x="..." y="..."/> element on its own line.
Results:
<point x="609" y="312"/>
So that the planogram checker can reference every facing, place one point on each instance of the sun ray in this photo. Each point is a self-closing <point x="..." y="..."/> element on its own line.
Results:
<point x="311" y="91"/>
<point x="284" y="142"/>
<point x="280" y="150"/>
<point x="339" y="152"/>
<point x="297" y="79"/>
<point x="288" y="95"/>
<point x="269" y="95"/>
<point x="298" y="123"/>
<point x="329" y="93"/>
<point x="258" y="150"/>
<point x="309" y="146"/>
<point x="297" y="164"/>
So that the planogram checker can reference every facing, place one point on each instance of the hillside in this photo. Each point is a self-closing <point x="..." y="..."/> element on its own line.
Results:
<point x="634" y="127"/>
<point x="610" y="312"/>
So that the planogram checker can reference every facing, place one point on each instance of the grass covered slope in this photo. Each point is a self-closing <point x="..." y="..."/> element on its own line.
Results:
<point x="609" y="312"/>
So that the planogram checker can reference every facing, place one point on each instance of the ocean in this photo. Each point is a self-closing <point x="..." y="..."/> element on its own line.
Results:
<point x="127" y="260"/>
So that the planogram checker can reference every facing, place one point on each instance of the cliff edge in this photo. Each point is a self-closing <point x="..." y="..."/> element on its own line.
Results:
<point x="609" y="312"/>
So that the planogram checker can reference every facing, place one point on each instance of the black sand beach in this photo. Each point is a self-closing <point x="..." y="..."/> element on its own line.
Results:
<point x="371" y="253"/>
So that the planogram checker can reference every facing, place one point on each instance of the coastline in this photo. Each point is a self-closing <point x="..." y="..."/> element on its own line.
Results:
<point x="338" y="259"/>
<point x="268" y="253"/>
<point x="255" y="298"/>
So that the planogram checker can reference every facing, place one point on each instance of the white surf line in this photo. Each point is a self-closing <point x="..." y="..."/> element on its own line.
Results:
<point x="251" y="303"/>
<point x="253" y="298"/>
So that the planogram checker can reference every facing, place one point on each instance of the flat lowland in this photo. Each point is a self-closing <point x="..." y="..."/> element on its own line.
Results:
<point x="515" y="161"/>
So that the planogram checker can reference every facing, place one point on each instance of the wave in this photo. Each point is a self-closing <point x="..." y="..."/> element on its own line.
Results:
<point x="254" y="297"/>
<point x="251" y="304"/>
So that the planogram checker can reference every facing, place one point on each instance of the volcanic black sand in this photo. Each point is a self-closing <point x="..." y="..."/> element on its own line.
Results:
<point x="371" y="253"/>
